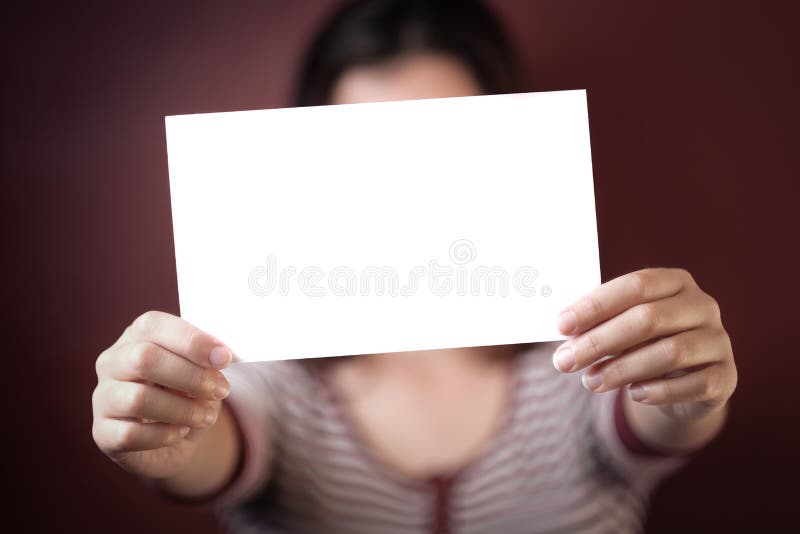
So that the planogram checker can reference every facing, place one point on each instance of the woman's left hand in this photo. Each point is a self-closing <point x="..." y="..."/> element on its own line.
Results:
<point x="665" y="336"/>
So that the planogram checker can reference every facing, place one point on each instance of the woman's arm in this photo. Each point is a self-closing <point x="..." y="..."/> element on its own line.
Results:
<point x="669" y="347"/>
<point x="663" y="432"/>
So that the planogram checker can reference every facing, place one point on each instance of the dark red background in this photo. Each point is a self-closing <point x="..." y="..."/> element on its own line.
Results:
<point x="694" y="120"/>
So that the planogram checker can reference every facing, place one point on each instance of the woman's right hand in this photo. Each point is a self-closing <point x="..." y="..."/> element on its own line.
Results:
<point x="158" y="391"/>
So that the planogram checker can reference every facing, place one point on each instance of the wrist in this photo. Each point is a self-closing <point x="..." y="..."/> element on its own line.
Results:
<point x="658" y="426"/>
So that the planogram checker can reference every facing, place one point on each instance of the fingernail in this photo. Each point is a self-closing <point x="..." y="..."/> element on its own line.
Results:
<point x="211" y="415"/>
<point x="638" y="393"/>
<point x="567" y="321"/>
<point x="564" y="359"/>
<point x="592" y="381"/>
<point x="221" y="390"/>
<point x="183" y="431"/>
<point x="220" y="357"/>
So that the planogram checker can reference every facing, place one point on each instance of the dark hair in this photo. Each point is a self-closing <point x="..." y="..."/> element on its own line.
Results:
<point x="366" y="32"/>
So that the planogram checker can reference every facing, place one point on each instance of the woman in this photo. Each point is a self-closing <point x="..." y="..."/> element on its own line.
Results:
<point x="481" y="439"/>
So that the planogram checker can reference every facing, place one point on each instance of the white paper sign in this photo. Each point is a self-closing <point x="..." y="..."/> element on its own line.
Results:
<point x="383" y="227"/>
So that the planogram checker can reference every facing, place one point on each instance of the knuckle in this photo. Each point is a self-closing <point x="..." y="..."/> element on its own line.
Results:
<point x="125" y="437"/>
<point x="105" y="436"/>
<point x="639" y="285"/>
<point x="183" y="412"/>
<point x="191" y="341"/>
<point x="105" y="398"/>
<point x="99" y="364"/>
<point x="727" y="343"/>
<point x="684" y="275"/>
<point x="649" y="318"/>
<point x="203" y="381"/>
<point x="97" y="434"/>
<point x="592" y="306"/>
<point x="712" y="387"/>
<point x="676" y="352"/>
<point x="196" y="381"/>
<point x="714" y="309"/>
<point x="167" y="437"/>
<point x="666" y="391"/>
<point x="145" y="357"/>
<point x="586" y="309"/>
<point x="194" y="414"/>
<point x="591" y="345"/>
<point x="734" y="380"/>
<point x="127" y="335"/>
<point x="136" y="351"/>
<point x="136" y="399"/>
<point x="97" y="400"/>
<point x="616" y="373"/>
<point x="145" y="324"/>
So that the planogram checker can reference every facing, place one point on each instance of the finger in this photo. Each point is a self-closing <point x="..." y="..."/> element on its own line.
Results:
<point x="710" y="384"/>
<point x="620" y="294"/>
<point x="143" y="401"/>
<point x="116" y="436"/>
<point x="633" y="326"/>
<point x="655" y="359"/>
<point x="148" y="362"/>
<point x="180" y="337"/>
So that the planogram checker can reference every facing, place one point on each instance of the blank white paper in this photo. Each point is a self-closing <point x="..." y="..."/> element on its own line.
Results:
<point x="383" y="227"/>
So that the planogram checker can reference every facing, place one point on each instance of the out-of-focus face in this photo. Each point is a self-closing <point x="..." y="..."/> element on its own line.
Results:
<point x="410" y="77"/>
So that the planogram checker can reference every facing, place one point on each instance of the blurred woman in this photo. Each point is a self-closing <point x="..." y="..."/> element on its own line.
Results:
<point x="548" y="437"/>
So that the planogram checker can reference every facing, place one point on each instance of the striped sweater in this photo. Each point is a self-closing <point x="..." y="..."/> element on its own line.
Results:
<point x="563" y="461"/>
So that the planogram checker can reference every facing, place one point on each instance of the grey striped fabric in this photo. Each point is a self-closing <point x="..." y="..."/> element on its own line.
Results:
<point x="557" y="465"/>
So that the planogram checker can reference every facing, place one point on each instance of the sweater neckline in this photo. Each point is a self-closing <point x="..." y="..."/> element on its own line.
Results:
<point x="490" y="447"/>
